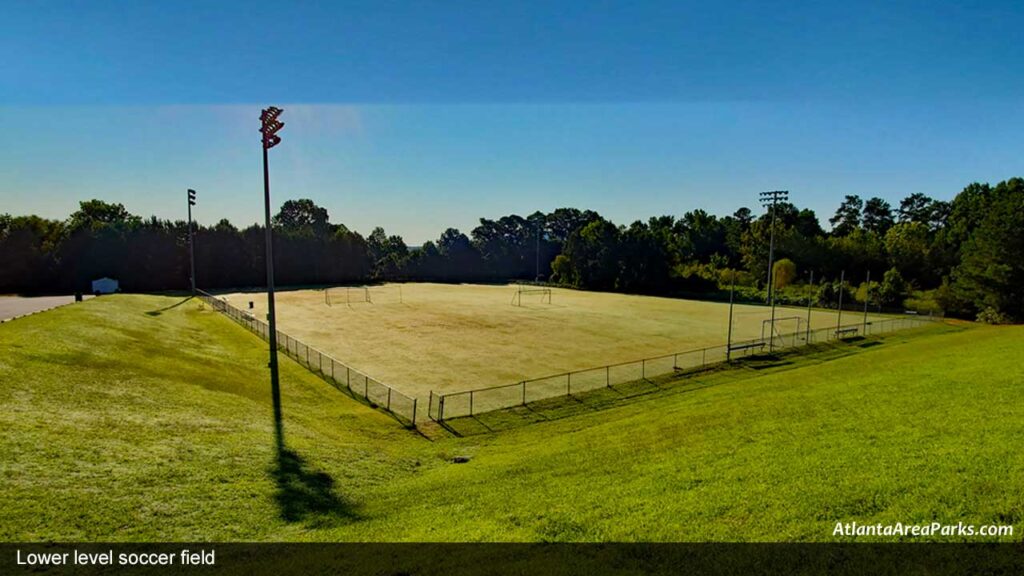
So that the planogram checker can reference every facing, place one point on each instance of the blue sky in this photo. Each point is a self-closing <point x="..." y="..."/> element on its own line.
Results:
<point x="422" y="115"/>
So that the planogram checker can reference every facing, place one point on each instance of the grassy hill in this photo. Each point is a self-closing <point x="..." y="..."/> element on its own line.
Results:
<point x="144" y="418"/>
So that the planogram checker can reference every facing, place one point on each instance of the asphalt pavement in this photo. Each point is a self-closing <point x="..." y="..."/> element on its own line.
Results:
<point x="14" y="306"/>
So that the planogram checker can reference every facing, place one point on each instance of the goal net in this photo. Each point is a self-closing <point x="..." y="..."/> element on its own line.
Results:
<point x="788" y="331"/>
<point x="346" y="295"/>
<point x="531" y="293"/>
<point x="349" y="295"/>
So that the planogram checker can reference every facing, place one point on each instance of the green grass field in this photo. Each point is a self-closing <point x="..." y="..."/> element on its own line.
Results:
<point x="448" y="338"/>
<point x="148" y="418"/>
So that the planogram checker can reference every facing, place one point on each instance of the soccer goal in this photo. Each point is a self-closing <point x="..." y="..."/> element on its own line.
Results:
<point x="346" y="295"/>
<point x="788" y="331"/>
<point x="530" y="291"/>
<point x="349" y="295"/>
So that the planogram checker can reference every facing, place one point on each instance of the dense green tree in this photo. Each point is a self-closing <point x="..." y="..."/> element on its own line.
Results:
<point x="877" y="216"/>
<point x="564" y="221"/>
<point x="806" y="224"/>
<point x="460" y="259"/>
<point x="507" y="246"/>
<point x="966" y="251"/>
<point x="562" y="271"/>
<point x="783" y="273"/>
<point x="27" y="246"/>
<point x="702" y="236"/>
<point x="924" y="210"/>
<point x="916" y="208"/>
<point x="643" y="264"/>
<point x="95" y="214"/>
<point x="302" y="216"/>
<point x="893" y="288"/>
<point x="908" y="245"/>
<point x="848" y="216"/>
<point x="387" y="253"/>
<point x="735" y="227"/>
<point x="856" y="253"/>
<point x="991" y="274"/>
<point x="593" y="252"/>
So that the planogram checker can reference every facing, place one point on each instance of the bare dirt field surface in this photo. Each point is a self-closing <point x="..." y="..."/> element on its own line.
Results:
<point x="14" y="306"/>
<point x="443" y="337"/>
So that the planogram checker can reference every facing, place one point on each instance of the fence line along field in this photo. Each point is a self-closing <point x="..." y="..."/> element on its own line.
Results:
<point x="450" y="337"/>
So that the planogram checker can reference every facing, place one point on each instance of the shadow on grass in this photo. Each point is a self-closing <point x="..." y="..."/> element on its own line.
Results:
<point x="304" y="494"/>
<point x="166" y="308"/>
<point x="307" y="495"/>
<point x="568" y="406"/>
<point x="651" y="389"/>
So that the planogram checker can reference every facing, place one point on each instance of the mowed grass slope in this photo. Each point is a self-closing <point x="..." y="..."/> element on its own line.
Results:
<point x="453" y="337"/>
<point x="139" y="417"/>
<point x="120" y="425"/>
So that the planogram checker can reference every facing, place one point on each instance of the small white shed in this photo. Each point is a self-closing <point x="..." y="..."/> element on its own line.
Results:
<point x="104" y="286"/>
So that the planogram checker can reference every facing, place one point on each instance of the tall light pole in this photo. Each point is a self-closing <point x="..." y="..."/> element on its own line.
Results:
<point x="536" y="277"/>
<point x="842" y="288"/>
<point x="728" y="341"/>
<point x="191" y="242"/>
<point x="810" y="297"/>
<point x="867" y="298"/>
<point x="770" y="199"/>
<point x="270" y="125"/>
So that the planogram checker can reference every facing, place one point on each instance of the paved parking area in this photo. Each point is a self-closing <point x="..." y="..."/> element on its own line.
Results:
<point x="14" y="306"/>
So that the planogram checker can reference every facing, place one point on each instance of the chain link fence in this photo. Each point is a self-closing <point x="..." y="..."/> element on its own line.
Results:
<point x="655" y="370"/>
<point x="451" y="405"/>
<point x="335" y="372"/>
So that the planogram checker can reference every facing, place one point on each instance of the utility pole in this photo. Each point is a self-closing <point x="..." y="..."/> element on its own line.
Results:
<point x="728" y="345"/>
<point x="867" y="298"/>
<point x="536" y="277"/>
<point x="810" y="298"/>
<point x="191" y="242"/>
<point x="270" y="125"/>
<point x="770" y="199"/>
<point x="842" y="288"/>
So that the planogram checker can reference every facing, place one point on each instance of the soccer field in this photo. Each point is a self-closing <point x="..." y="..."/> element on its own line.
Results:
<point x="446" y="338"/>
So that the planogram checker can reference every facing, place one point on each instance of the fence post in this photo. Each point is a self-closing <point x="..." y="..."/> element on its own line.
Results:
<point x="440" y="409"/>
<point x="470" y="402"/>
<point x="643" y="369"/>
<point x="608" y="376"/>
<point x="414" y="410"/>
<point x="389" y="398"/>
<point x="703" y="358"/>
<point x="366" y="387"/>
<point x="348" y="378"/>
<point x="524" y="392"/>
<point x="568" y="383"/>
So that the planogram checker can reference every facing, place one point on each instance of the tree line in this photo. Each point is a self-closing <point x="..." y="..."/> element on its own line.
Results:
<point x="964" y="255"/>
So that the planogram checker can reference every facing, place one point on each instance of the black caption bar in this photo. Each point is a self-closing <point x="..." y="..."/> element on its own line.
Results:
<point x="518" y="559"/>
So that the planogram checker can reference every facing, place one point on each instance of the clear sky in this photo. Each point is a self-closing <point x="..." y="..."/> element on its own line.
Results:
<point x="422" y="115"/>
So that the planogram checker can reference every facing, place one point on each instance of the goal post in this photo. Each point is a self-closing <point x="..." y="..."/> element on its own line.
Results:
<point x="530" y="290"/>
<point x="786" y="331"/>
<point x="346" y="295"/>
<point x="349" y="295"/>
